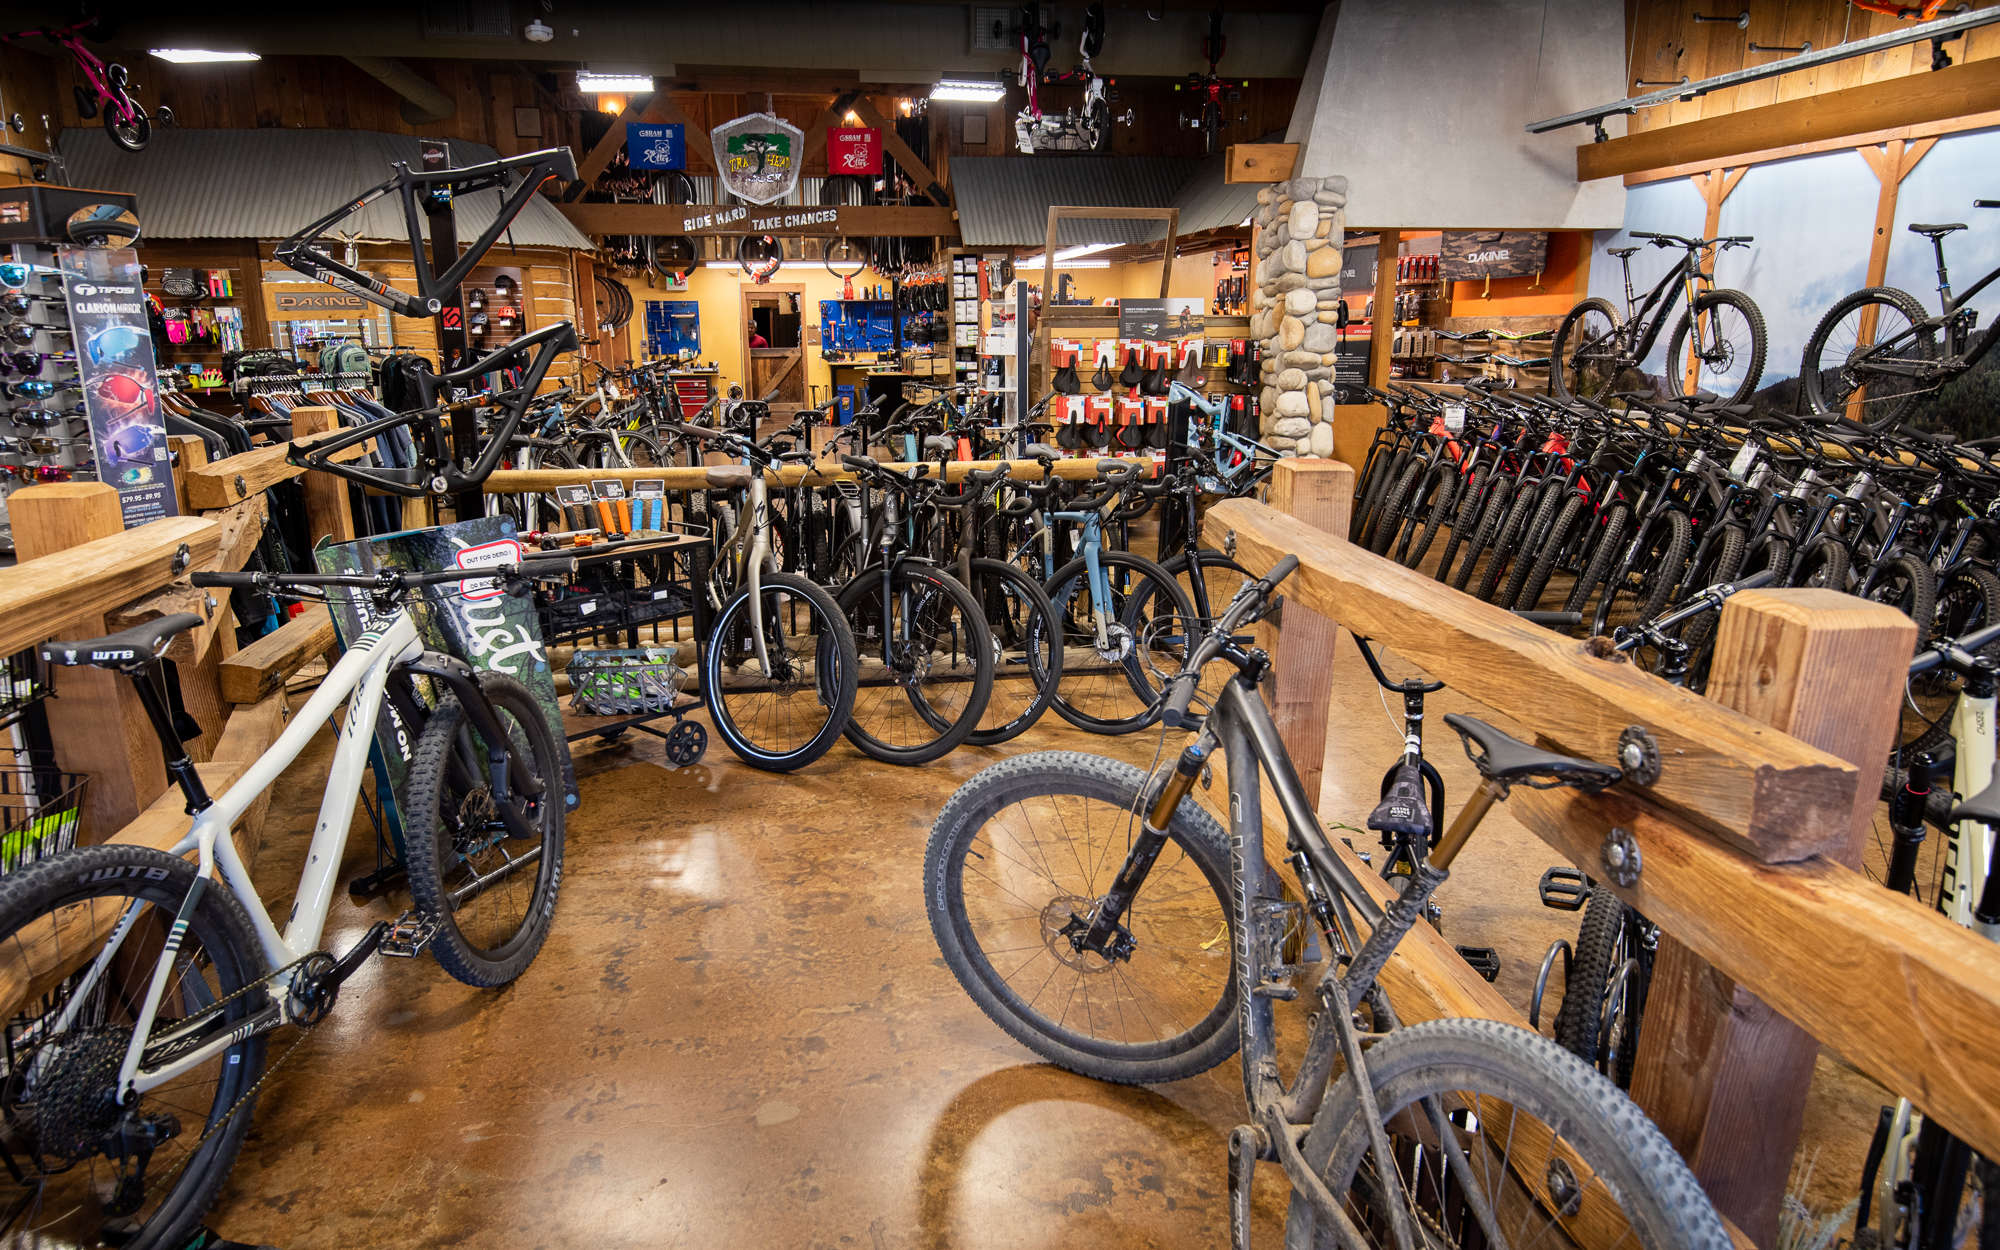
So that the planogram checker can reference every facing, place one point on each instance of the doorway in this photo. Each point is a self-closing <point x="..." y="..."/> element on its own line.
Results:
<point x="776" y="371"/>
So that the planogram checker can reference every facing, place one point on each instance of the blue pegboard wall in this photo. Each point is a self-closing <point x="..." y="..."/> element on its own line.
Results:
<point x="673" y="326"/>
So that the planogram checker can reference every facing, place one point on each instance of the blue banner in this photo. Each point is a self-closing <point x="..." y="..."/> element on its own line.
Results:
<point x="658" y="146"/>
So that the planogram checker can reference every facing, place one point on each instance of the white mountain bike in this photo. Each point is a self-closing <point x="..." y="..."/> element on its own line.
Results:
<point x="141" y="986"/>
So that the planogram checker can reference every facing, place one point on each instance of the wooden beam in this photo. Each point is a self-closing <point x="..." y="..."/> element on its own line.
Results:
<point x="1318" y="494"/>
<point x="1922" y="130"/>
<point x="42" y="597"/>
<point x="1973" y="87"/>
<point x="723" y="477"/>
<point x="1382" y="328"/>
<point x="1723" y="1075"/>
<point x="1261" y="162"/>
<point x="858" y="221"/>
<point x="329" y="511"/>
<point x="816" y="134"/>
<point x="912" y="164"/>
<point x="220" y="483"/>
<point x="598" y="159"/>
<point x="1737" y="779"/>
<point x="264" y="666"/>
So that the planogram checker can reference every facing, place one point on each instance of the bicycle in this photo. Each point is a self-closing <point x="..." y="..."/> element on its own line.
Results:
<point x="1877" y="351"/>
<point x="1083" y="129"/>
<point x="1594" y="350"/>
<point x="111" y="90"/>
<point x="113" y="1062"/>
<point x="1154" y="876"/>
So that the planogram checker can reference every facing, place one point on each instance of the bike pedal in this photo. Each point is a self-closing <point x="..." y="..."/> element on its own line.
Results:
<point x="1564" y="889"/>
<point x="409" y="935"/>
<point x="1284" y="991"/>
<point x="1484" y="960"/>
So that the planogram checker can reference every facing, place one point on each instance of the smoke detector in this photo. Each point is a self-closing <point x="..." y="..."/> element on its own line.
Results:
<point x="539" y="31"/>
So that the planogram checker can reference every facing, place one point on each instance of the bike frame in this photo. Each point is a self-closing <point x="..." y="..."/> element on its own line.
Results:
<point x="1955" y="364"/>
<point x="1682" y="279"/>
<point x="363" y="672"/>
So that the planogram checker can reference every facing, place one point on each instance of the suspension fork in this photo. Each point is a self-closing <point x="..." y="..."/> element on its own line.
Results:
<point x="1100" y="583"/>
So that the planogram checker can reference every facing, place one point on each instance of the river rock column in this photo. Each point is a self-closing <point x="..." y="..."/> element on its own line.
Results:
<point x="1296" y="309"/>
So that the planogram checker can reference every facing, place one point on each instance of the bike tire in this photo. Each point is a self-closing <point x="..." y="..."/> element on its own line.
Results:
<point x="1027" y="647"/>
<point x="1604" y="552"/>
<point x="1579" y="1022"/>
<point x="1908" y="583"/>
<point x="1657" y="556"/>
<point x="1721" y="563"/>
<point x="1565" y="378"/>
<point x="828" y="685"/>
<point x="1509" y="1070"/>
<point x="1492" y="515"/>
<point x="1441" y="491"/>
<point x="1828" y="386"/>
<point x="1464" y="520"/>
<point x="1549" y="551"/>
<point x="1825" y="564"/>
<point x="1508" y="547"/>
<point x="219" y="931"/>
<point x="1383" y="471"/>
<point x="905" y="718"/>
<point x="437" y="840"/>
<point x="1968" y="599"/>
<point x="1753" y="369"/>
<point x="1114" y="693"/>
<point x="131" y="135"/>
<point x="1395" y="509"/>
<point x="1193" y="866"/>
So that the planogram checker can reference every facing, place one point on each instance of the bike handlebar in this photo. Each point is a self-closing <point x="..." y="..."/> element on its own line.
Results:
<point x="388" y="580"/>
<point x="1243" y="610"/>
<point x="1960" y="654"/>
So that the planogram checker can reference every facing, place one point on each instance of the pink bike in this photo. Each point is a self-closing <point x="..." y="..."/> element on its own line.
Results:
<point x="125" y="119"/>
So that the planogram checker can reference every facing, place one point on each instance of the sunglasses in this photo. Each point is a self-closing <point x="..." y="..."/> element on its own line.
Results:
<point x="22" y="333"/>
<point x="28" y="364"/>
<point x="16" y="304"/>
<point x="33" y="388"/>
<point x="14" y="276"/>
<point x="46" y="418"/>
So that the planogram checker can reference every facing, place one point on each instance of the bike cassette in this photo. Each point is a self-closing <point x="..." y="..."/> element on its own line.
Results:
<point x="412" y="932"/>
<point x="685" y="743"/>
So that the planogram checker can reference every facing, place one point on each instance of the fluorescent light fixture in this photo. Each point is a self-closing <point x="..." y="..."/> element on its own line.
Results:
<point x="1035" y="262"/>
<point x="970" y="90"/>
<point x="593" y="84"/>
<point x="201" y="56"/>
<point x="1083" y="249"/>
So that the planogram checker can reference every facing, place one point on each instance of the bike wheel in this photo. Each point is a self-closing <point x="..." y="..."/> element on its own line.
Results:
<point x="132" y="134"/>
<point x="1824" y="565"/>
<point x="1648" y="574"/>
<point x="1732" y="361"/>
<point x="1111" y="688"/>
<point x="1384" y="469"/>
<point x="1097" y="121"/>
<point x="1605" y="549"/>
<point x="1464" y="520"/>
<point x="927" y="663"/>
<point x="1210" y="580"/>
<point x="1584" y="361"/>
<point x="492" y="895"/>
<point x="1027" y="651"/>
<point x="1396" y="507"/>
<point x="1968" y="600"/>
<point x="1440" y="492"/>
<point x="1839" y="371"/>
<point x="1021" y="854"/>
<point x="59" y="1115"/>
<point x="1528" y="504"/>
<point x="1544" y="547"/>
<point x="1451" y="1096"/>
<point x="1720" y="563"/>
<point x="1599" y="1021"/>
<point x="1492" y="515"/>
<point x="1908" y="584"/>
<point x="785" y="716"/>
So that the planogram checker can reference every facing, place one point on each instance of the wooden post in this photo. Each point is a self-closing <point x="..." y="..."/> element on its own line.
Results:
<point x="1319" y="494"/>
<point x="1723" y="1074"/>
<point x="93" y="710"/>
<point x="328" y="512"/>
<point x="1382" y="328"/>
<point x="188" y="451"/>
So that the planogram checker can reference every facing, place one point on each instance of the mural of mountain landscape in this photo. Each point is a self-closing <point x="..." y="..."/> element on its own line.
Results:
<point x="1812" y="229"/>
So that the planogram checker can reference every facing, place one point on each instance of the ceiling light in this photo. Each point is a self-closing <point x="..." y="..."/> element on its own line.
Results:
<point x="969" y="90"/>
<point x="612" y="104"/>
<point x="538" y="31"/>
<point x="201" y="56"/>
<point x="591" y="84"/>
<point x="1083" y="249"/>
<point x="1035" y="262"/>
<point x="853" y="118"/>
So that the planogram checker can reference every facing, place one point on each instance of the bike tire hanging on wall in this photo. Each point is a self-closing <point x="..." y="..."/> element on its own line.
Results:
<point x="616" y="300"/>
<point x="759" y="255"/>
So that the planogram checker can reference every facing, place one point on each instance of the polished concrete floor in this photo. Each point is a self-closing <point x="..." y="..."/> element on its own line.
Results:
<point x="740" y="1033"/>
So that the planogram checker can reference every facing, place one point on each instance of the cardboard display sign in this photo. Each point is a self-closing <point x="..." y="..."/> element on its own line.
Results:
<point x="1470" y="255"/>
<point x="116" y="373"/>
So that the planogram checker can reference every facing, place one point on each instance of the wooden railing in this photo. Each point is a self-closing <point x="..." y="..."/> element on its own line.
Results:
<point x="1750" y="840"/>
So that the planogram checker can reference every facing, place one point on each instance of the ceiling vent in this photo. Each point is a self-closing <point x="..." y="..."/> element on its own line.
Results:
<point x="466" y="19"/>
<point x="993" y="28"/>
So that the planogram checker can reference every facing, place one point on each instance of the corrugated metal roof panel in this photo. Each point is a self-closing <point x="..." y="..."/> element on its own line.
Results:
<point x="267" y="184"/>
<point x="1207" y="202"/>
<point x="1004" y="201"/>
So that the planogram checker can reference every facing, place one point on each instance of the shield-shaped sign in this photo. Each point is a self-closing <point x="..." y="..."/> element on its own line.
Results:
<point x="759" y="157"/>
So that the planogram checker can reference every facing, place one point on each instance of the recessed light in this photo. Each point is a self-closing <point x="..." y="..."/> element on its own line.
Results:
<point x="593" y="83"/>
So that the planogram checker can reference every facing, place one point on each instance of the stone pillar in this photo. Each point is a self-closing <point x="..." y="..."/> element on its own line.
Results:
<point x="1295" y="310"/>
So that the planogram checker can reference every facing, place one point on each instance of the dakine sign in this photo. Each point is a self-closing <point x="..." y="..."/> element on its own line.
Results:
<point x="1469" y="255"/>
<point x="310" y="304"/>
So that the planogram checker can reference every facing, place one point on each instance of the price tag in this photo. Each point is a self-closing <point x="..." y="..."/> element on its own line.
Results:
<point x="1746" y="458"/>
<point x="608" y="488"/>
<point x="485" y="555"/>
<point x="1454" y="417"/>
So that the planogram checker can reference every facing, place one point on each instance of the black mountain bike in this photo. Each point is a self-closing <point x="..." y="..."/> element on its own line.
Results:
<point x="1877" y="351"/>
<point x="1717" y="347"/>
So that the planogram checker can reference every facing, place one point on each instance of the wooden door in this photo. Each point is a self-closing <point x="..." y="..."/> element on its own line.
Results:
<point x="777" y="371"/>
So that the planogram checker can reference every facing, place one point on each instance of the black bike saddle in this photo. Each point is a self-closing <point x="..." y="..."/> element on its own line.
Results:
<point x="1102" y="379"/>
<point x="1403" y="809"/>
<point x="1936" y="231"/>
<point x="136" y="645"/>
<point x="1621" y="252"/>
<point x="1510" y="761"/>
<point x="1984" y="806"/>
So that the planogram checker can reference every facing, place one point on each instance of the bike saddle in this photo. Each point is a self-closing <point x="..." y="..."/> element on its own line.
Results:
<point x="1621" y="252"/>
<point x="1065" y="380"/>
<point x="124" y="649"/>
<point x="1102" y="379"/>
<point x="1131" y="373"/>
<point x="941" y="445"/>
<point x="1936" y="231"/>
<point x="1403" y="809"/>
<point x="1042" y="451"/>
<point x="1510" y="761"/>
<point x="1983" y="807"/>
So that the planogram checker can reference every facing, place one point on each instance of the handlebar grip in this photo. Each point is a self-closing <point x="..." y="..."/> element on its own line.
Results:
<point x="860" y="463"/>
<point x="1986" y="203"/>
<point x="216" y="578"/>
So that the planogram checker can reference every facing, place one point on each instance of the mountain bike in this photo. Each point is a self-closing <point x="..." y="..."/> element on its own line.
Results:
<point x="1717" y="346"/>
<point x="1083" y="906"/>
<point x="146" y="985"/>
<point x="111" y="90"/>
<point x="1876" y="352"/>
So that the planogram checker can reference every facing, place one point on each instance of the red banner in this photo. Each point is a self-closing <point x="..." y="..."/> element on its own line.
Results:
<point x="853" y="150"/>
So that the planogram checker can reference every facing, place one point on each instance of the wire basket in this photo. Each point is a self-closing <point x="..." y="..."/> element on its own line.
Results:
<point x="23" y="683"/>
<point x="40" y="812"/>
<point x="640" y="682"/>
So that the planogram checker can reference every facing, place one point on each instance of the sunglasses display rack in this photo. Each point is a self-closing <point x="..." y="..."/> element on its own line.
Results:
<point x="44" y="435"/>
